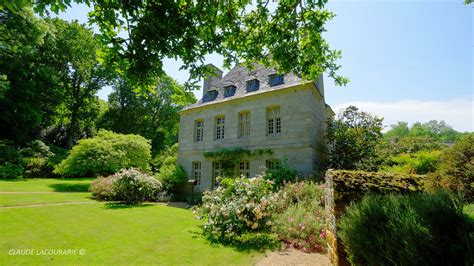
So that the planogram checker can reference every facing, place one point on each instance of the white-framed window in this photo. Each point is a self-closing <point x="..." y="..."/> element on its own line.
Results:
<point x="197" y="172"/>
<point x="273" y="120"/>
<point x="244" y="124"/>
<point x="244" y="168"/>
<point x="198" y="130"/>
<point x="272" y="164"/>
<point x="216" y="172"/>
<point x="219" y="127"/>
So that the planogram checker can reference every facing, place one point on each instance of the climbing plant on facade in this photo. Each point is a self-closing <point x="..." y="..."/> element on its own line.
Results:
<point x="230" y="157"/>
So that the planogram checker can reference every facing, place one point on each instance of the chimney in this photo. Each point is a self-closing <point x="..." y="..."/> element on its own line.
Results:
<point x="212" y="79"/>
<point x="320" y="84"/>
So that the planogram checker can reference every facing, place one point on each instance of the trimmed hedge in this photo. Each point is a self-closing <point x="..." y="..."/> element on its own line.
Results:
<point x="355" y="184"/>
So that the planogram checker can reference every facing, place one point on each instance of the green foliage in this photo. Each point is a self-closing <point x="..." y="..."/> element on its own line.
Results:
<point x="50" y="75"/>
<point x="230" y="157"/>
<point x="238" y="206"/>
<point x="285" y="34"/>
<point x="456" y="171"/>
<point x="132" y="186"/>
<point x="169" y="173"/>
<point x="421" y="162"/>
<point x="407" y="230"/>
<point x="11" y="171"/>
<point x="105" y="153"/>
<point x="35" y="160"/>
<point x="353" y="139"/>
<point x="282" y="174"/>
<point x="438" y="131"/>
<point x="9" y="152"/>
<point x="300" y="221"/>
<point x="152" y="114"/>
<point x="355" y="184"/>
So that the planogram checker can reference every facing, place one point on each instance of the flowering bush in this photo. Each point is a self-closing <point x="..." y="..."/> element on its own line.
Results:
<point x="133" y="186"/>
<point x="238" y="206"/>
<point x="101" y="188"/>
<point x="300" y="220"/>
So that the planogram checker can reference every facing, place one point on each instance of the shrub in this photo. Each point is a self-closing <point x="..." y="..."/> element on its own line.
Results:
<point x="102" y="188"/>
<point x="416" y="229"/>
<point x="9" y="152"/>
<point x="456" y="171"/>
<point x="238" y="206"/>
<point x="132" y="186"/>
<point x="349" y="185"/>
<point x="300" y="221"/>
<point x="11" y="171"/>
<point x="170" y="174"/>
<point x="104" y="154"/>
<point x="282" y="174"/>
<point x="421" y="162"/>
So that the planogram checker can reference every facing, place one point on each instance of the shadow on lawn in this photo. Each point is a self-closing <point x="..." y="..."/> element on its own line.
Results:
<point x="247" y="243"/>
<point x="70" y="187"/>
<point x="120" y="205"/>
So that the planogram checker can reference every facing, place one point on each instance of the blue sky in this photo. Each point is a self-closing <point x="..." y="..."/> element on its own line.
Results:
<point x="407" y="60"/>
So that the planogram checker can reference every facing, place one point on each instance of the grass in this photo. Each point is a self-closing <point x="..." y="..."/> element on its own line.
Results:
<point x="46" y="184"/>
<point x="108" y="233"/>
<point x="29" y="199"/>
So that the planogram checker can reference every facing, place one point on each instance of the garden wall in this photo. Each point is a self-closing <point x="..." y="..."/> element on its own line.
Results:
<point x="343" y="187"/>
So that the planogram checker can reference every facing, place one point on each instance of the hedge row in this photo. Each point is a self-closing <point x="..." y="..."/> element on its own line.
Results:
<point x="355" y="184"/>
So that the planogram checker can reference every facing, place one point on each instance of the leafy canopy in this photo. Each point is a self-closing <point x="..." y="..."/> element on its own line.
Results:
<point x="353" y="137"/>
<point x="138" y="35"/>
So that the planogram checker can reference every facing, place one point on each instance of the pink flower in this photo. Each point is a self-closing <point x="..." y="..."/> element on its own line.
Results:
<point x="322" y="234"/>
<point x="291" y="219"/>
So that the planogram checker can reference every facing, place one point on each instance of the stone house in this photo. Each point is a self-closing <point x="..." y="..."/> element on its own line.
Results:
<point x="255" y="110"/>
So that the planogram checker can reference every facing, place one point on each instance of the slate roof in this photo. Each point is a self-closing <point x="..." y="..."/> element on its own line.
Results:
<point x="238" y="77"/>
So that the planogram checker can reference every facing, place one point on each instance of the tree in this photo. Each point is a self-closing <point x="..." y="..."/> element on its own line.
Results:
<point x="400" y="129"/>
<point x="287" y="34"/>
<point x="29" y="85"/>
<point x="438" y="131"/>
<point x="153" y="114"/>
<point x="80" y="73"/>
<point x="353" y="138"/>
<point x="50" y="73"/>
<point x="456" y="172"/>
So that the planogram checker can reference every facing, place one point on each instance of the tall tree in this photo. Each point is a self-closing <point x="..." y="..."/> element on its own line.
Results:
<point x="29" y="85"/>
<point x="81" y="74"/>
<point x="285" y="34"/>
<point x="153" y="114"/>
<point x="353" y="139"/>
<point x="50" y="74"/>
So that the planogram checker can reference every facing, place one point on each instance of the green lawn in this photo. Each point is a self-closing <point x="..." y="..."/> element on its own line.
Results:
<point x="29" y="199"/>
<point x="46" y="184"/>
<point x="108" y="234"/>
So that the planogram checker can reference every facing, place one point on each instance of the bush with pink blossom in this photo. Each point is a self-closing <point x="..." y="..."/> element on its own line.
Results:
<point x="300" y="221"/>
<point x="238" y="206"/>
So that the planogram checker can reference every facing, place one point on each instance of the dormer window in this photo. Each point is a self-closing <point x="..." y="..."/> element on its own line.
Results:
<point x="210" y="96"/>
<point x="253" y="85"/>
<point x="229" y="91"/>
<point x="275" y="80"/>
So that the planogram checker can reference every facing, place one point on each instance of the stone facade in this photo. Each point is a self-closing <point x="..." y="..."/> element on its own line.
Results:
<point x="302" y="112"/>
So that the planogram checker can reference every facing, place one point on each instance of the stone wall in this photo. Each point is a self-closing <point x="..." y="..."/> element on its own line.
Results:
<point x="343" y="187"/>
<point x="303" y="117"/>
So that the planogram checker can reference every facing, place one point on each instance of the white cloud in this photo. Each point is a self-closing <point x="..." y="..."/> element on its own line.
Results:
<point x="458" y="113"/>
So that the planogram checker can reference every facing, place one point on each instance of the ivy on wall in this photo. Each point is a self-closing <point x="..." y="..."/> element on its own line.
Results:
<point x="230" y="157"/>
